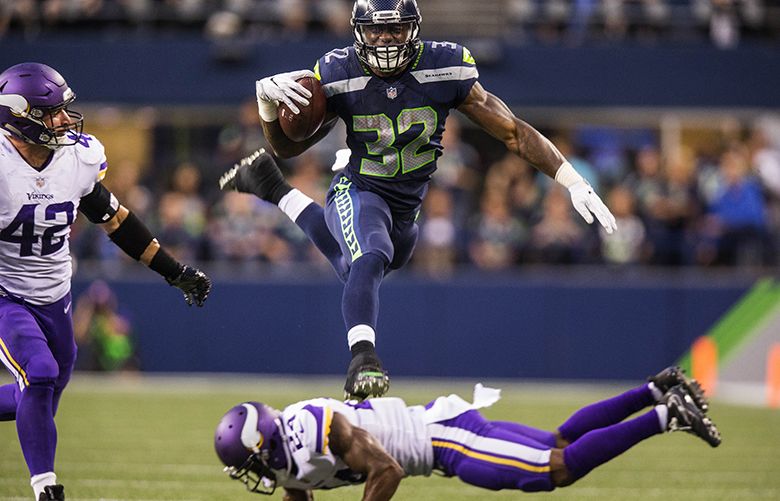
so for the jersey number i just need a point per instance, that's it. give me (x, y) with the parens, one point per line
(25, 221)
(409, 158)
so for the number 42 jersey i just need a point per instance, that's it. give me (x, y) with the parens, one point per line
(37, 209)
(394, 124)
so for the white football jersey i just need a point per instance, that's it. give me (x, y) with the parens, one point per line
(400, 429)
(37, 209)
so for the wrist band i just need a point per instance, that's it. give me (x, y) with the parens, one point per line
(268, 110)
(567, 176)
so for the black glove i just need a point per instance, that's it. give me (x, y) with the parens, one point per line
(194, 283)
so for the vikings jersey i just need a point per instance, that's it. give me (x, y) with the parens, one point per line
(395, 124)
(37, 209)
(306, 425)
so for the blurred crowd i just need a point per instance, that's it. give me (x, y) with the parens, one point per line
(724, 22)
(711, 201)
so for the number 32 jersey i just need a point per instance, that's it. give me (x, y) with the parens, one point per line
(37, 209)
(395, 124)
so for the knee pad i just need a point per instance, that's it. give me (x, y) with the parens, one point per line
(42, 370)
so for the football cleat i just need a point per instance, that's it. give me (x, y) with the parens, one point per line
(257, 174)
(52, 493)
(673, 376)
(685, 415)
(365, 378)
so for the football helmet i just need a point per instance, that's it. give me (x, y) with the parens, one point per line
(386, 58)
(249, 442)
(29, 94)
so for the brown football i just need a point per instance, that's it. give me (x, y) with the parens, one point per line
(303, 125)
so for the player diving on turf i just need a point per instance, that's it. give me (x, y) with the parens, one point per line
(324, 443)
(394, 93)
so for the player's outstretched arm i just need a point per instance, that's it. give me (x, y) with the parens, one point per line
(283, 88)
(132, 236)
(493, 115)
(364, 454)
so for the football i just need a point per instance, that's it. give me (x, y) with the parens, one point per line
(303, 125)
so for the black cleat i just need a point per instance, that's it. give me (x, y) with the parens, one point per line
(673, 376)
(52, 493)
(685, 415)
(365, 378)
(257, 174)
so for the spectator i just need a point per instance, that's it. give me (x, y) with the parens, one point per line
(557, 238)
(103, 335)
(436, 249)
(737, 219)
(627, 245)
(497, 238)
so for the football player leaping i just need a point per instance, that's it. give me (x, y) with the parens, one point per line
(49, 169)
(394, 93)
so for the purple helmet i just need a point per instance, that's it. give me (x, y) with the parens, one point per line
(249, 443)
(31, 93)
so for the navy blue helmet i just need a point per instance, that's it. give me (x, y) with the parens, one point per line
(386, 58)
(29, 94)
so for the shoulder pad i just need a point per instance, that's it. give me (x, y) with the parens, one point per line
(335, 65)
(90, 152)
(447, 54)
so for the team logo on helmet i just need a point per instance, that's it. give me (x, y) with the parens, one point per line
(31, 95)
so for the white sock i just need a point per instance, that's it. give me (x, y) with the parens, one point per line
(41, 480)
(293, 203)
(663, 416)
(361, 332)
(657, 394)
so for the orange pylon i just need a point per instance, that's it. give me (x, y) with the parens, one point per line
(704, 363)
(773, 377)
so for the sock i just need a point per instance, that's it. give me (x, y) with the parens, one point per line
(599, 446)
(360, 302)
(9, 395)
(38, 482)
(36, 429)
(606, 412)
(361, 336)
(657, 394)
(310, 217)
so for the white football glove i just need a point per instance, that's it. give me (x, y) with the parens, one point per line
(281, 88)
(342, 160)
(584, 199)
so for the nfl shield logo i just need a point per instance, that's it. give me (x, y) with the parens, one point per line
(40, 181)
(392, 93)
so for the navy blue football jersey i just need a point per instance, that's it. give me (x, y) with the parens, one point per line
(395, 124)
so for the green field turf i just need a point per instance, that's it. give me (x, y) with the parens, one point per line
(152, 439)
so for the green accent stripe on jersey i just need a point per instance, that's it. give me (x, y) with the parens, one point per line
(317, 71)
(742, 320)
(346, 213)
(419, 55)
(467, 57)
